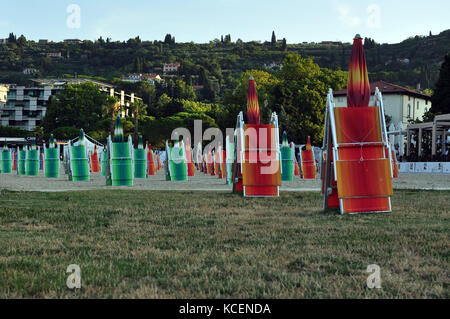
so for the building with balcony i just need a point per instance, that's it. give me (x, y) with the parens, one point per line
(25, 107)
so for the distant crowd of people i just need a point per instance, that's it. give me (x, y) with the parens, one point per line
(426, 158)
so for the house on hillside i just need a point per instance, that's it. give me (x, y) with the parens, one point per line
(401, 104)
(273, 66)
(138, 77)
(171, 67)
(56, 55)
(73, 41)
(30, 71)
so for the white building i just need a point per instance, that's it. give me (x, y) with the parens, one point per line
(273, 66)
(30, 71)
(149, 77)
(400, 103)
(3, 92)
(25, 107)
(57, 55)
(171, 67)
(73, 41)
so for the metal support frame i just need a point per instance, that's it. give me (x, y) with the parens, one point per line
(330, 144)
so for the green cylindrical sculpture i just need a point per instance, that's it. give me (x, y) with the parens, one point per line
(121, 158)
(22, 162)
(51, 162)
(79, 162)
(104, 161)
(140, 160)
(32, 161)
(121, 165)
(6, 162)
(287, 160)
(51, 165)
(229, 161)
(177, 166)
(80, 165)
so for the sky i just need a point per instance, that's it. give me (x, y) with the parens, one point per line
(201, 21)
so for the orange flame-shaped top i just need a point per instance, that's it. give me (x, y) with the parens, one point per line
(252, 103)
(358, 90)
(308, 144)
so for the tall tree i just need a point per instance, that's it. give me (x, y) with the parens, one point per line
(441, 97)
(137, 108)
(12, 38)
(284, 46)
(111, 107)
(168, 39)
(274, 39)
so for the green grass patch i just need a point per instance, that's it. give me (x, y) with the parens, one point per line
(144, 244)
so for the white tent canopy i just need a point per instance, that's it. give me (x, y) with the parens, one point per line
(90, 144)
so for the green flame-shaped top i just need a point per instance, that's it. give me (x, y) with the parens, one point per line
(141, 143)
(52, 141)
(176, 138)
(118, 131)
(5, 147)
(81, 139)
(285, 139)
(33, 144)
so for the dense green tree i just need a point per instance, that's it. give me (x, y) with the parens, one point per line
(274, 39)
(12, 38)
(297, 93)
(441, 97)
(22, 41)
(6, 131)
(302, 92)
(78, 105)
(66, 133)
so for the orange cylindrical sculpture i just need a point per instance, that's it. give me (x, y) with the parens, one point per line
(95, 164)
(308, 162)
